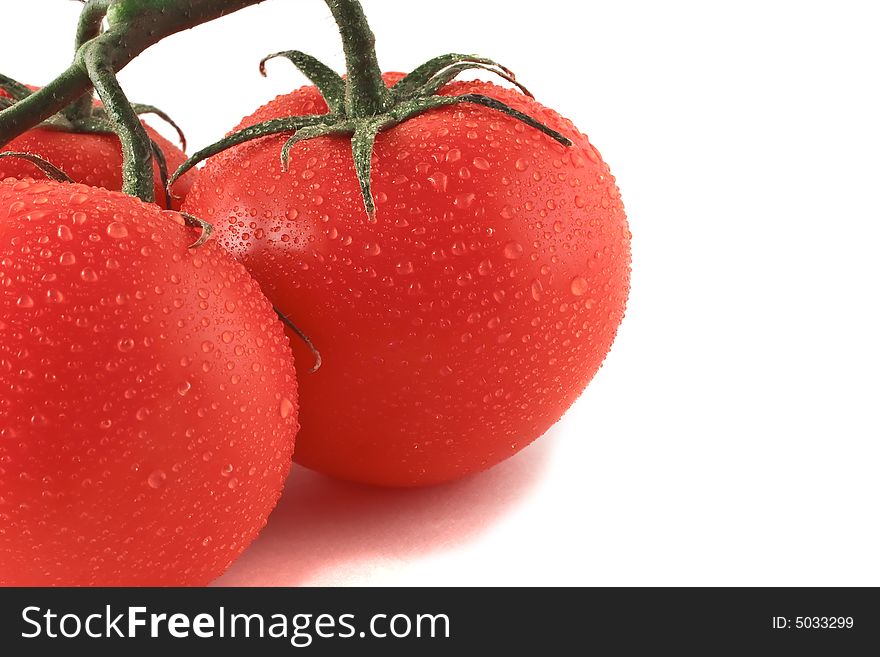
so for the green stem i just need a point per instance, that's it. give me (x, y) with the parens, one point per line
(44, 103)
(137, 149)
(135, 26)
(90, 26)
(366, 94)
(90, 21)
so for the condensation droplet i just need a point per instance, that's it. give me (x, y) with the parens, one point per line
(157, 479)
(513, 250)
(286, 408)
(481, 164)
(537, 290)
(117, 230)
(579, 286)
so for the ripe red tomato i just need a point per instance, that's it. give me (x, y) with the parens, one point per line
(147, 395)
(461, 325)
(90, 159)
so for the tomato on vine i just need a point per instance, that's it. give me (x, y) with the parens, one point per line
(458, 252)
(148, 400)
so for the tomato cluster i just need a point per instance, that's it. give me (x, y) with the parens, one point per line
(457, 253)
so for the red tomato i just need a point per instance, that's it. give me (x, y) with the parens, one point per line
(461, 325)
(148, 399)
(91, 159)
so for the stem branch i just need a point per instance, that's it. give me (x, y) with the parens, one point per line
(137, 149)
(90, 26)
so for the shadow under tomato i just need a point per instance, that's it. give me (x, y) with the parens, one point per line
(327, 532)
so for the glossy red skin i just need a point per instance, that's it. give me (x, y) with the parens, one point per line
(148, 400)
(460, 326)
(91, 159)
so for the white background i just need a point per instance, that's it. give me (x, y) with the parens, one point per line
(732, 437)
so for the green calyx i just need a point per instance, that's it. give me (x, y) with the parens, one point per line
(361, 106)
(53, 172)
(98, 120)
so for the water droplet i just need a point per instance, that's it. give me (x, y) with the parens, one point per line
(67, 258)
(537, 290)
(521, 164)
(513, 250)
(459, 249)
(64, 233)
(485, 268)
(117, 230)
(227, 337)
(481, 164)
(184, 388)
(287, 408)
(464, 201)
(88, 275)
(25, 302)
(372, 249)
(157, 479)
(404, 267)
(124, 345)
(579, 286)
(439, 181)
(54, 296)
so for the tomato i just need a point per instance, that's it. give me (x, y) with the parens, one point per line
(91, 159)
(463, 323)
(148, 398)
